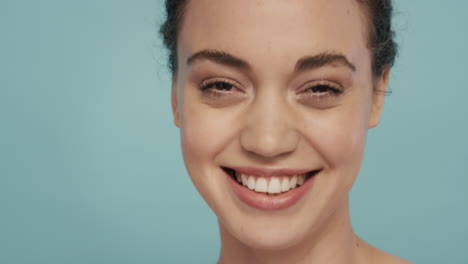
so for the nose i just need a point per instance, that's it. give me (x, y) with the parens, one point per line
(270, 128)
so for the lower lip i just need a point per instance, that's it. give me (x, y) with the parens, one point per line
(263, 201)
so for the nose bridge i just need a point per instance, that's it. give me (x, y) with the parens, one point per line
(270, 130)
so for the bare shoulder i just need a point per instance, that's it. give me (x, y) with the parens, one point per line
(382, 257)
(377, 256)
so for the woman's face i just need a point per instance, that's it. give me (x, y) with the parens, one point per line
(270, 90)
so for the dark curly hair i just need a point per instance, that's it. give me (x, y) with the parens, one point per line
(379, 17)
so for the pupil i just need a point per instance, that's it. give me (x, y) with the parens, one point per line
(225, 86)
(319, 88)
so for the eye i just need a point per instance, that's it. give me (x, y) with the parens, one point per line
(323, 89)
(320, 94)
(221, 91)
(222, 86)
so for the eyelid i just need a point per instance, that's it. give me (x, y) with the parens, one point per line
(205, 83)
(334, 85)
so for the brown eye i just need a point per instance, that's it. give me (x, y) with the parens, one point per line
(223, 86)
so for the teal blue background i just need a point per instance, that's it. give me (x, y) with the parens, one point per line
(90, 162)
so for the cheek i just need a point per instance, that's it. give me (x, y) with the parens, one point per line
(340, 135)
(200, 141)
(205, 132)
(202, 134)
(348, 138)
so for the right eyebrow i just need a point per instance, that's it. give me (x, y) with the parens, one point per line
(219, 57)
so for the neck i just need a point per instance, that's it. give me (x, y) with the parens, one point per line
(333, 243)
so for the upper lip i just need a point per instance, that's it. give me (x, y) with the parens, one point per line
(269, 172)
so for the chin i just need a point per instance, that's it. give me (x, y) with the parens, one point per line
(268, 231)
(260, 238)
(272, 240)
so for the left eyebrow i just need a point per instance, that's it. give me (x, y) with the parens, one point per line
(323, 59)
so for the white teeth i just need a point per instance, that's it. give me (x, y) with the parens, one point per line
(293, 182)
(251, 183)
(274, 186)
(285, 184)
(300, 179)
(244, 179)
(261, 185)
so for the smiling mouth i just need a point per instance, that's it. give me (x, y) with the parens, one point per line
(270, 185)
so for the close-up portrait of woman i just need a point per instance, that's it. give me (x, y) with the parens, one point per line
(274, 100)
(233, 132)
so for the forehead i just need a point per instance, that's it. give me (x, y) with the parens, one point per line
(274, 31)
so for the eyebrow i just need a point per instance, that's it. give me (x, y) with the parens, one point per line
(305, 63)
(219, 57)
(323, 59)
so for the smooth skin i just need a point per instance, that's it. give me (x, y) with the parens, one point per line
(246, 102)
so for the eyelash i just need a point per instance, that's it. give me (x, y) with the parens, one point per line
(329, 89)
(211, 86)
